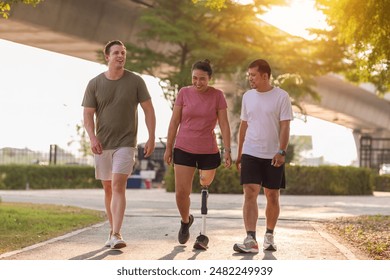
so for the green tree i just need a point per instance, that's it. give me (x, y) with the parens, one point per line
(230, 37)
(359, 39)
(5, 6)
(212, 4)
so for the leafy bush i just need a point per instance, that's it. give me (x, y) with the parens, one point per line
(382, 183)
(328, 180)
(301, 180)
(47, 177)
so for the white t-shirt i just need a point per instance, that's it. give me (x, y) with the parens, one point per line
(263, 111)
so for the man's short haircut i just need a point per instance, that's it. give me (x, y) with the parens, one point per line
(203, 65)
(262, 66)
(109, 44)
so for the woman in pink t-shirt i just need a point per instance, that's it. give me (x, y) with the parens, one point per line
(191, 142)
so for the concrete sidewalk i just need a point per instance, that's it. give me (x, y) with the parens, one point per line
(152, 222)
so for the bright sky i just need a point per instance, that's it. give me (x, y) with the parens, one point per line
(41, 94)
(296, 18)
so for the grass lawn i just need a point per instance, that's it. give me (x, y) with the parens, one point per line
(369, 234)
(23, 224)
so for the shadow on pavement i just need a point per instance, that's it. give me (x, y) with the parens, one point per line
(94, 255)
(176, 250)
(269, 256)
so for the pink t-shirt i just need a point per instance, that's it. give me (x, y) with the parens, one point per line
(198, 119)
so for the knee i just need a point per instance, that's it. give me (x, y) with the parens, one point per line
(250, 193)
(272, 197)
(182, 192)
(108, 192)
(118, 188)
(107, 187)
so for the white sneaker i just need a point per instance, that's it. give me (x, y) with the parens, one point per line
(269, 244)
(249, 246)
(117, 242)
(108, 242)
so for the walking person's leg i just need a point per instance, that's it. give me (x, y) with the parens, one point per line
(118, 201)
(123, 160)
(103, 172)
(206, 177)
(107, 203)
(272, 211)
(250, 212)
(250, 207)
(184, 176)
(251, 177)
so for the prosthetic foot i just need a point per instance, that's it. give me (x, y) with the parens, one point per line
(202, 240)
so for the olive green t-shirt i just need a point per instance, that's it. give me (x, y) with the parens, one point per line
(116, 103)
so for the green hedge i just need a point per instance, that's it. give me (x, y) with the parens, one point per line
(16, 177)
(382, 183)
(328, 180)
(301, 180)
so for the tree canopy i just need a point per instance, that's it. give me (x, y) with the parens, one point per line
(359, 36)
(176, 34)
(5, 6)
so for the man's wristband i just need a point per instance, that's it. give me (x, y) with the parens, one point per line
(282, 152)
(229, 150)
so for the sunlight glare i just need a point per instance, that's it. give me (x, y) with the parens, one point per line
(296, 18)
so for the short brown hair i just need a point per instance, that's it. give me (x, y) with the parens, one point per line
(262, 66)
(109, 44)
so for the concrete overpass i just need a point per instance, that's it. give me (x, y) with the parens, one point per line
(81, 27)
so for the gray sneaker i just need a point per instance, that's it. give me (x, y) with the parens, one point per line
(269, 244)
(117, 242)
(184, 232)
(249, 246)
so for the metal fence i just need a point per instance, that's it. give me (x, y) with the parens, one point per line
(55, 155)
(374, 152)
(59, 156)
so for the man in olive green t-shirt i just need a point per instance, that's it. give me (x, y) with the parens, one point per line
(113, 97)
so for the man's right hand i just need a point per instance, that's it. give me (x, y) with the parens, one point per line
(96, 146)
(238, 162)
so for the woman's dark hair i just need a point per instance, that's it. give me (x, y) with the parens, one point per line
(203, 65)
(109, 44)
(262, 66)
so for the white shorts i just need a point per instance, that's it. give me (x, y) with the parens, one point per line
(119, 161)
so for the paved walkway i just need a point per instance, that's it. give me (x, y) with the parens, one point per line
(152, 221)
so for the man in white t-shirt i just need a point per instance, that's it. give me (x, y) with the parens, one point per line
(264, 133)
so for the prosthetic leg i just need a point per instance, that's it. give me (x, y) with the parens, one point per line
(202, 240)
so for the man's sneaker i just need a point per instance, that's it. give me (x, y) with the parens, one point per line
(269, 244)
(184, 233)
(249, 246)
(108, 242)
(117, 242)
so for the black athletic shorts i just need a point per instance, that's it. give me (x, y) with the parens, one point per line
(259, 171)
(200, 161)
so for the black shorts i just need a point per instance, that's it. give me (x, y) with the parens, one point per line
(200, 161)
(259, 171)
